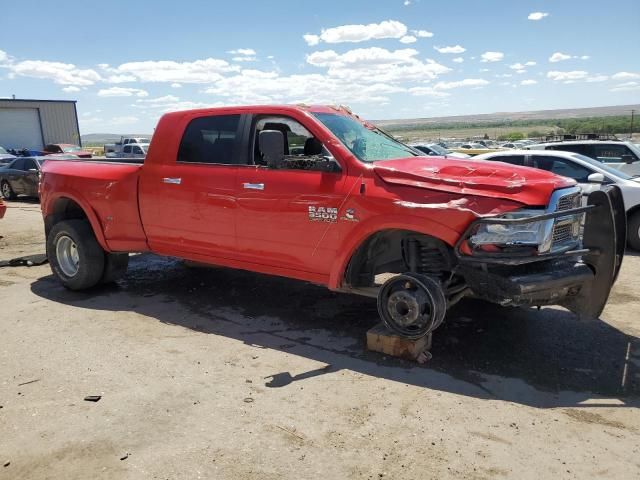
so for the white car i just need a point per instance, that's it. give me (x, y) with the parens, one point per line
(623, 156)
(590, 175)
(435, 150)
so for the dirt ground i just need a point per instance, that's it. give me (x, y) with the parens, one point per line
(214, 373)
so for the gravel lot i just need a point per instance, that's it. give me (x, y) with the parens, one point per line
(214, 373)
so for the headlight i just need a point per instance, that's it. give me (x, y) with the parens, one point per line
(506, 235)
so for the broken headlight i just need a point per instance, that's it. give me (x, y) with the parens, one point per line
(494, 237)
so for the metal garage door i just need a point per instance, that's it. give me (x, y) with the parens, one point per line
(20, 128)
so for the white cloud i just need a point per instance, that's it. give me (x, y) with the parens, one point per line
(598, 78)
(467, 82)
(122, 92)
(422, 33)
(504, 75)
(165, 99)
(3, 56)
(567, 76)
(311, 40)
(71, 88)
(176, 85)
(522, 66)
(559, 57)
(358, 33)
(249, 52)
(626, 87)
(361, 56)
(452, 49)
(60, 73)
(528, 82)
(408, 39)
(120, 78)
(484, 70)
(537, 15)
(244, 59)
(428, 92)
(406, 3)
(585, 57)
(625, 76)
(198, 71)
(458, 60)
(491, 57)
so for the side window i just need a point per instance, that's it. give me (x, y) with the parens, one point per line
(30, 164)
(561, 166)
(581, 149)
(612, 153)
(126, 141)
(18, 164)
(137, 150)
(298, 141)
(210, 140)
(127, 149)
(512, 159)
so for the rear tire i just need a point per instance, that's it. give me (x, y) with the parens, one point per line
(115, 267)
(74, 254)
(7, 191)
(633, 231)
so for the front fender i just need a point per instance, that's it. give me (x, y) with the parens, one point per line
(367, 228)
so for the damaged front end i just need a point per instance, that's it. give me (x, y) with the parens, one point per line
(567, 255)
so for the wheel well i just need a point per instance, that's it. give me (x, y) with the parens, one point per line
(64, 209)
(632, 211)
(398, 251)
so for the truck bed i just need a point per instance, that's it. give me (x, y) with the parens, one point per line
(110, 194)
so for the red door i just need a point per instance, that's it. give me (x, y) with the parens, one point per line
(188, 203)
(288, 218)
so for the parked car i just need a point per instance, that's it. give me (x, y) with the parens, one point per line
(66, 148)
(221, 187)
(5, 157)
(436, 150)
(20, 177)
(112, 150)
(590, 174)
(624, 156)
(512, 145)
(133, 150)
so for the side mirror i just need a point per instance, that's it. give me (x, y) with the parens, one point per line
(596, 178)
(628, 158)
(271, 143)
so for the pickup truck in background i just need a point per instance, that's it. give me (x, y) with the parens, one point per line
(113, 150)
(317, 194)
(133, 150)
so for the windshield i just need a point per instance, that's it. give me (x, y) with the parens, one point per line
(603, 166)
(70, 148)
(2, 150)
(367, 145)
(438, 149)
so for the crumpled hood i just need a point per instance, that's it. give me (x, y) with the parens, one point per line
(484, 178)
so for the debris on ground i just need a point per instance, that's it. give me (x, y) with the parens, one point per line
(125, 456)
(92, 398)
(30, 381)
(27, 261)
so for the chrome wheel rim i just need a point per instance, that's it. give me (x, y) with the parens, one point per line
(5, 190)
(67, 255)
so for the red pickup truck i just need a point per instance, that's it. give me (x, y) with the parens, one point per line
(317, 194)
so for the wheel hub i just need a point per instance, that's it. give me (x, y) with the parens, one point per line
(67, 255)
(405, 307)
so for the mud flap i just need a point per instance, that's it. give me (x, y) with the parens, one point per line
(605, 235)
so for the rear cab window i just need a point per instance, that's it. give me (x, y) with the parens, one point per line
(612, 153)
(561, 166)
(212, 140)
(511, 159)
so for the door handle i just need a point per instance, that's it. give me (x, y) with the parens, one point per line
(173, 181)
(253, 186)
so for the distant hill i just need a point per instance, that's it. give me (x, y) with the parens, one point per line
(102, 138)
(512, 116)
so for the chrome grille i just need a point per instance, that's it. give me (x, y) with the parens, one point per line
(569, 201)
(563, 233)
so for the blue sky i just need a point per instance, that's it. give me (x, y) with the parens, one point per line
(128, 62)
